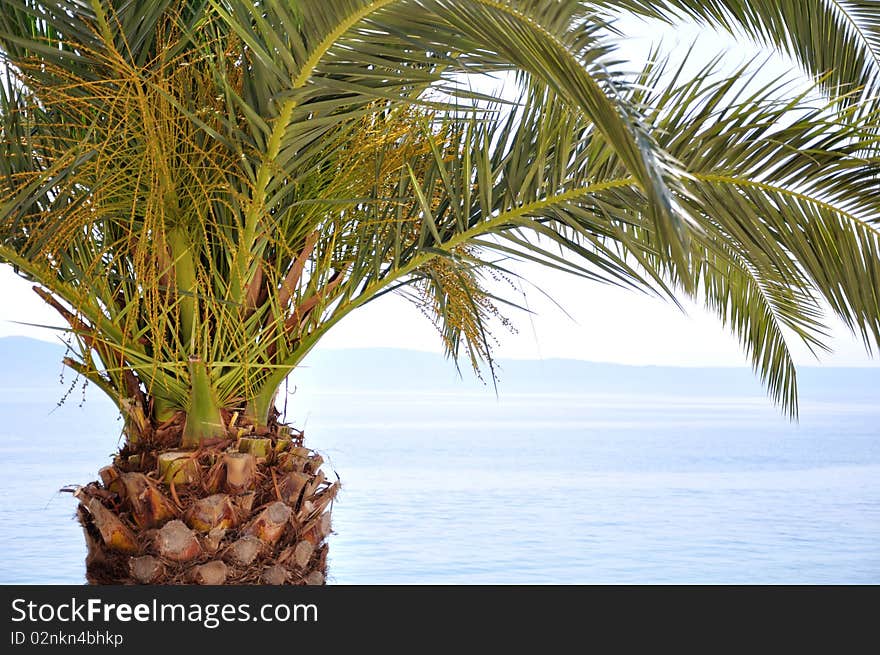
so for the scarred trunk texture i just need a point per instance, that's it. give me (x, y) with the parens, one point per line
(246, 510)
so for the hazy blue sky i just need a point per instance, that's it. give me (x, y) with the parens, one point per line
(606, 324)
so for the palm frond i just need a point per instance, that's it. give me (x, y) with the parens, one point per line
(203, 189)
(837, 42)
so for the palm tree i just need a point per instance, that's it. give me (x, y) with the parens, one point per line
(203, 188)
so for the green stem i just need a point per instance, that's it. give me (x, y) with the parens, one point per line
(203, 420)
(163, 410)
(185, 276)
(103, 25)
(245, 254)
(258, 407)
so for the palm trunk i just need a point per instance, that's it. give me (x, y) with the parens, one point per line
(254, 509)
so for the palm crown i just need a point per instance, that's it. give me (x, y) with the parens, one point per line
(204, 188)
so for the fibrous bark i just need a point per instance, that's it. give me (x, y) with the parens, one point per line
(242, 511)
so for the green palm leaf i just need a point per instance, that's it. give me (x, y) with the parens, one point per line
(837, 41)
(203, 189)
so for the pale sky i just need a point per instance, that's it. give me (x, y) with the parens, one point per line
(606, 324)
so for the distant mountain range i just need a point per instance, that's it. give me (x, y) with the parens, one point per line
(28, 362)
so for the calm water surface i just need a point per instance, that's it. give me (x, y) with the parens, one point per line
(528, 488)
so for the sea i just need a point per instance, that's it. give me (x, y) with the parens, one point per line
(478, 486)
